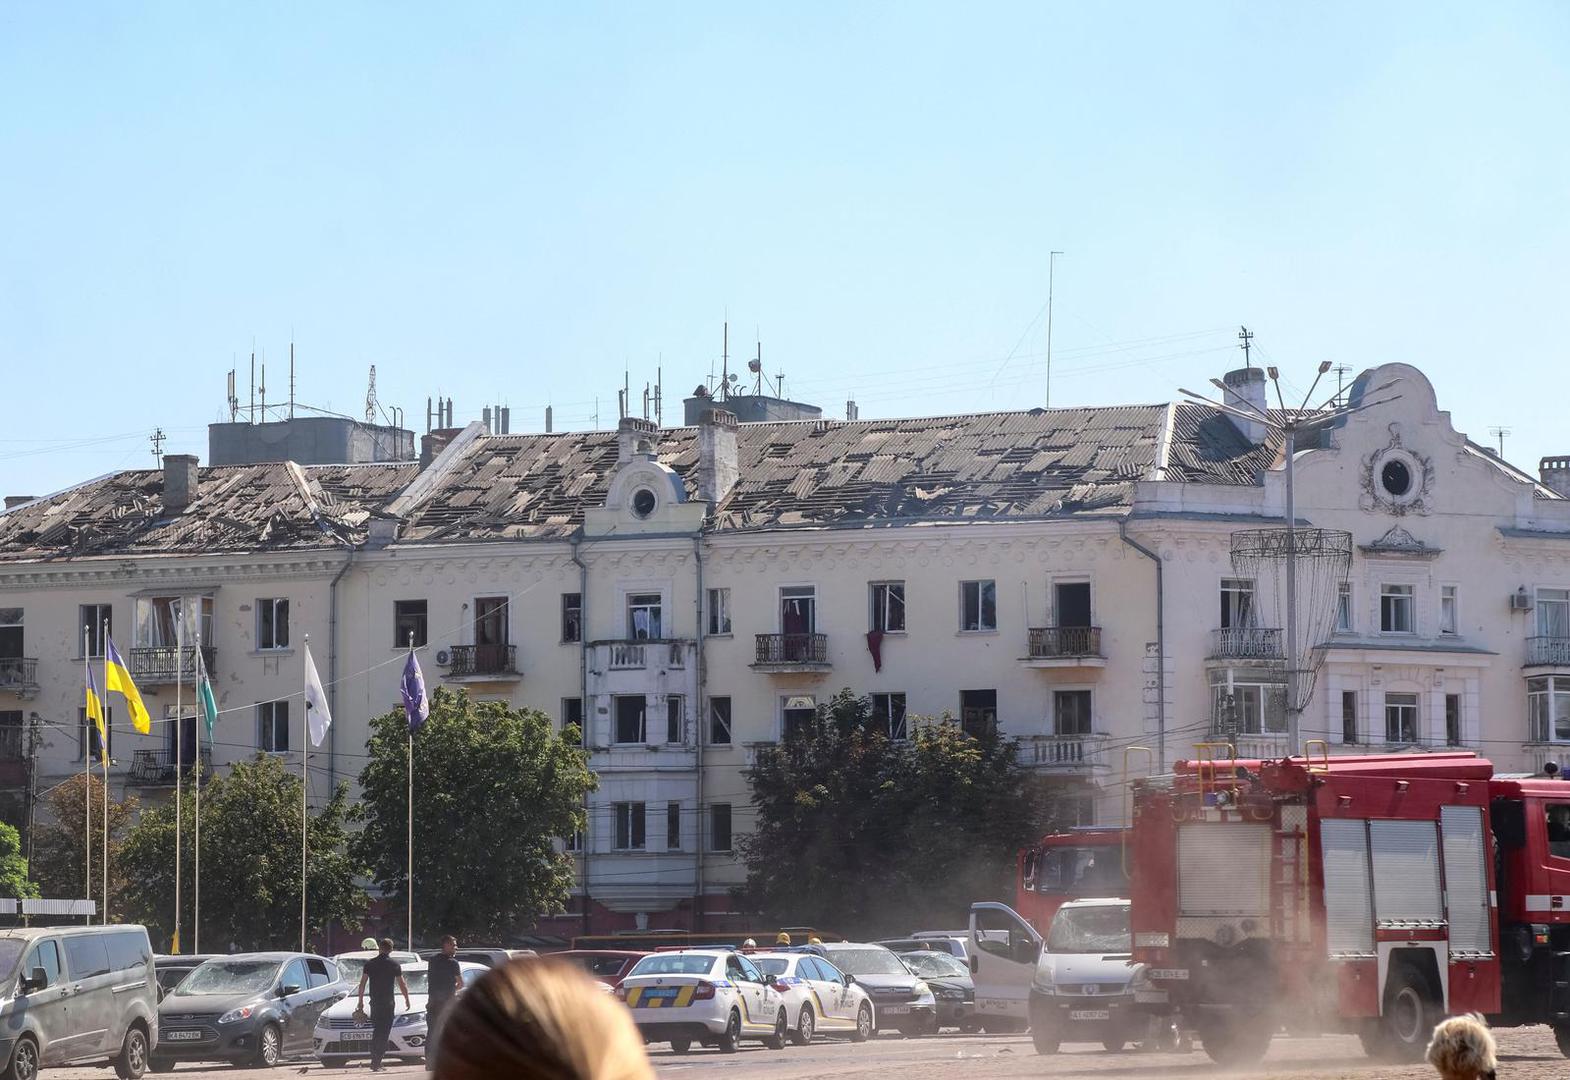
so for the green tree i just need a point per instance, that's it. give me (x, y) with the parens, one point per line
(250, 862)
(14, 882)
(866, 835)
(58, 863)
(494, 790)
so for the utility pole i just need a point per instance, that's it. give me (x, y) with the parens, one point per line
(157, 439)
(1500, 433)
(1052, 267)
(1246, 336)
(1342, 371)
(32, 781)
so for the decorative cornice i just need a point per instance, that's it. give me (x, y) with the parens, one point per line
(163, 569)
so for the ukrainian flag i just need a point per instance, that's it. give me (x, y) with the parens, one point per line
(118, 677)
(95, 712)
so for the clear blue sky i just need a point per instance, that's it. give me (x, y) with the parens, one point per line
(510, 201)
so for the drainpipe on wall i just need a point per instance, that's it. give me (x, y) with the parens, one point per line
(332, 669)
(1161, 645)
(700, 713)
(583, 692)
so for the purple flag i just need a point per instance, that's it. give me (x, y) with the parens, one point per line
(416, 707)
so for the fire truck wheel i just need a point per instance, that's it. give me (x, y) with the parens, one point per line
(1235, 1040)
(1562, 1037)
(1410, 1015)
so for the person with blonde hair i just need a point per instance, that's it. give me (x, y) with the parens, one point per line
(539, 1019)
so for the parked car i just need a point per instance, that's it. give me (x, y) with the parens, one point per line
(350, 964)
(608, 966)
(819, 999)
(952, 989)
(900, 1000)
(171, 969)
(951, 945)
(482, 955)
(74, 996)
(249, 1008)
(341, 1036)
(714, 997)
(1082, 988)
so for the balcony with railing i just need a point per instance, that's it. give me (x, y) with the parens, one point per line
(482, 663)
(19, 675)
(156, 768)
(155, 665)
(791, 653)
(643, 655)
(1064, 647)
(1547, 652)
(1246, 643)
(1073, 754)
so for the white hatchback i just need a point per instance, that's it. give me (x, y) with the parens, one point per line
(819, 999)
(713, 997)
(341, 1035)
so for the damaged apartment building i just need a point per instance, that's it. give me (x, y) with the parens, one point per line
(689, 595)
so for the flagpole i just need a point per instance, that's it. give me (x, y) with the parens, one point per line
(103, 756)
(179, 760)
(87, 758)
(305, 781)
(409, 884)
(196, 887)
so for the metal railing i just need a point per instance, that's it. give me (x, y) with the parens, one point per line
(1548, 652)
(1064, 642)
(152, 664)
(1086, 751)
(637, 655)
(792, 649)
(156, 768)
(18, 673)
(1246, 643)
(483, 660)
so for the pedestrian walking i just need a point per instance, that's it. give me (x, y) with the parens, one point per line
(539, 1019)
(380, 975)
(444, 978)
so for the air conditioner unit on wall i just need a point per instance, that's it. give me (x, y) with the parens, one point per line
(443, 657)
(1521, 600)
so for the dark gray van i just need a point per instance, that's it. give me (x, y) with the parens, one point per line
(77, 995)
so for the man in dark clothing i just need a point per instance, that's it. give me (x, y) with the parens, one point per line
(445, 979)
(380, 973)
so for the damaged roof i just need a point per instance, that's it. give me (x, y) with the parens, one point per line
(978, 467)
(278, 506)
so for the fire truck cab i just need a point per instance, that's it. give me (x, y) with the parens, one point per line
(1370, 894)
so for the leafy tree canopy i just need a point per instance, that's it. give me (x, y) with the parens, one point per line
(14, 882)
(59, 863)
(869, 836)
(494, 790)
(250, 888)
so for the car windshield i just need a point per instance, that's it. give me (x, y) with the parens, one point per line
(868, 962)
(674, 964)
(600, 965)
(1090, 930)
(771, 966)
(10, 953)
(934, 965)
(229, 977)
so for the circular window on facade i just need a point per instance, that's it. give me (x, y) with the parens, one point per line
(1396, 477)
(643, 502)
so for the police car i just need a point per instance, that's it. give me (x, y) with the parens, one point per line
(819, 999)
(713, 997)
(343, 1031)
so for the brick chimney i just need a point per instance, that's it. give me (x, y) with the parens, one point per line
(180, 480)
(433, 442)
(1554, 472)
(13, 501)
(718, 467)
(1247, 385)
(635, 436)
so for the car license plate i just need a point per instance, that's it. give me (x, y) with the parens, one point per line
(354, 1036)
(1173, 974)
(182, 1036)
(895, 1009)
(1090, 1014)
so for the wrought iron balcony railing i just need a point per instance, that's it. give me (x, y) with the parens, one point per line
(1548, 652)
(783, 649)
(1064, 642)
(18, 673)
(152, 665)
(469, 660)
(1246, 643)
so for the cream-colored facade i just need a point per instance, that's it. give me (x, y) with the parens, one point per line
(685, 642)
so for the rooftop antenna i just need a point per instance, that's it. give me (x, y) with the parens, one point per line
(157, 439)
(291, 376)
(1314, 543)
(251, 411)
(725, 361)
(1342, 371)
(264, 386)
(234, 402)
(659, 381)
(1246, 336)
(1500, 433)
(1052, 267)
(370, 395)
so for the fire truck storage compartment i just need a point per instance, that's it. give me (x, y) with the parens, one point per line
(1466, 881)
(1406, 873)
(1349, 907)
(1223, 869)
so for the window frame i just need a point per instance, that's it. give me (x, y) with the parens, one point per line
(1255, 713)
(1054, 597)
(673, 826)
(97, 633)
(499, 610)
(1389, 592)
(421, 622)
(727, 720)
(1455, 720)
(786, 709)
(675, 720)
(268, 721)
(1550, 691)
(1541, 600)
(571, 627)
(1411, 701)
(1349, 697)
(616, 719)
(652, 603)
(983, 586)
(716, 611)
(1089, 697)
(1346, 622)
(895, 722)
(1244, 614)
(965, 710)
(634, 816)
(567, 707)
(717, 813)
(884, 598)
(1449, 620)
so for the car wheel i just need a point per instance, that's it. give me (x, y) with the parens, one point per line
(806, 1026)
(732, 1037)
(911, 1030)
(863, 1023)
(680, 1046)
(1044, 1037)
(781, 1030)
(132, 1062)
(24, 1060)
(1562, 1037)
(160, 1065)
(269, 1047)
(1112, 1046)
(335, 1061)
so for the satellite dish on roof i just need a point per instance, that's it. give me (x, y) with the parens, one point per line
(754, 366)
(732, 377)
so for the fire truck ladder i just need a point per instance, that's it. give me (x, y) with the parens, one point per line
(1289, 874)
(1207, 771)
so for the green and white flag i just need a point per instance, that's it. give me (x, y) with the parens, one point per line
(204, 697)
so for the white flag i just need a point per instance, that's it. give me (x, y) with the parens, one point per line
(318, 717)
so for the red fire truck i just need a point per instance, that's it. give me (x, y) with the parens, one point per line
(1074, 865)
(1370, 894)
